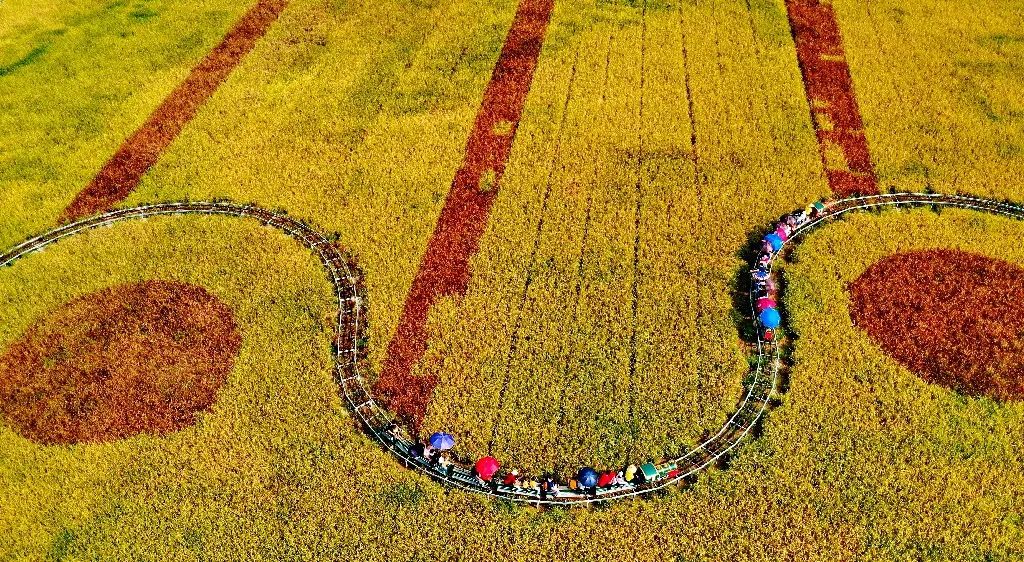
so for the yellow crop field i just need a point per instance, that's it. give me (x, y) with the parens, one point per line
(78, 77)
(940, 89)
(572, 194)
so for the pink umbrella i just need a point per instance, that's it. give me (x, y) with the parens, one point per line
(781, 232)
(765, 302)
(486, 467)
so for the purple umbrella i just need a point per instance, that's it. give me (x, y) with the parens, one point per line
(442, 441)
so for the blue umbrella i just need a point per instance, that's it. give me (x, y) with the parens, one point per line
(775, 240)
(587, 477)
(770, 318)
(442, 441)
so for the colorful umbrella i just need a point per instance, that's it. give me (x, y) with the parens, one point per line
(486, 467)
(775, 241)
(442, 441)
(770, 318)
(587, 477)
(765, 302)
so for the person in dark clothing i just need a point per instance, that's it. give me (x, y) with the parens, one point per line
(551, 486)
(432, 456)
(417, 450)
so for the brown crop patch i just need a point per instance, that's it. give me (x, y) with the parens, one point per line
(138, 358)
(444, 268)
(123, 172)
(951, 317)
(829, 87)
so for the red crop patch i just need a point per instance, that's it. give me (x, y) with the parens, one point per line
(951, 317)
(444, 269)
(140, 358)
(123, 172)
(829, 87)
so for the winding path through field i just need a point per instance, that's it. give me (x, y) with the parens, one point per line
(379, 423)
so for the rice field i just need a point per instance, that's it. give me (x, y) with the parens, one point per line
(550, 204)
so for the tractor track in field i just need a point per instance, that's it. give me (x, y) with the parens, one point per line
(124, 170)
(698, 190)
(573, 353)
(444, 267)
(828, 84)
(577, 297)
(634, 289)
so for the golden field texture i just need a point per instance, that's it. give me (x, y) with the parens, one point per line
(599, 324)
(939, 87)
(76, 79)
(863, 459)
(384, 150)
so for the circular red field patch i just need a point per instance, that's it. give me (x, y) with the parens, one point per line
(139, 358)
(951, 317)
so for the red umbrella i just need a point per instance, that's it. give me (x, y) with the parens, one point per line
(765, 302)
(486, 467)
(605, 478)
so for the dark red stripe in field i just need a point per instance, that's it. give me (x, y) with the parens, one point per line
(123, 172)
(837, 120)
(444, 269)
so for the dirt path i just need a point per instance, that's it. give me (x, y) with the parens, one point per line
(123, 172)
(444, 268)
(836, 115)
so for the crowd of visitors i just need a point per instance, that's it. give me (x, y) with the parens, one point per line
(588, 481)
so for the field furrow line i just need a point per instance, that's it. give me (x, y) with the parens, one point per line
(637, 217)
(531, 264)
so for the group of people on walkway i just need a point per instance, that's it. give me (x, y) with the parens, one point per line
(763, 287)
(587, 481)
(432, 453)
(487, 470)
